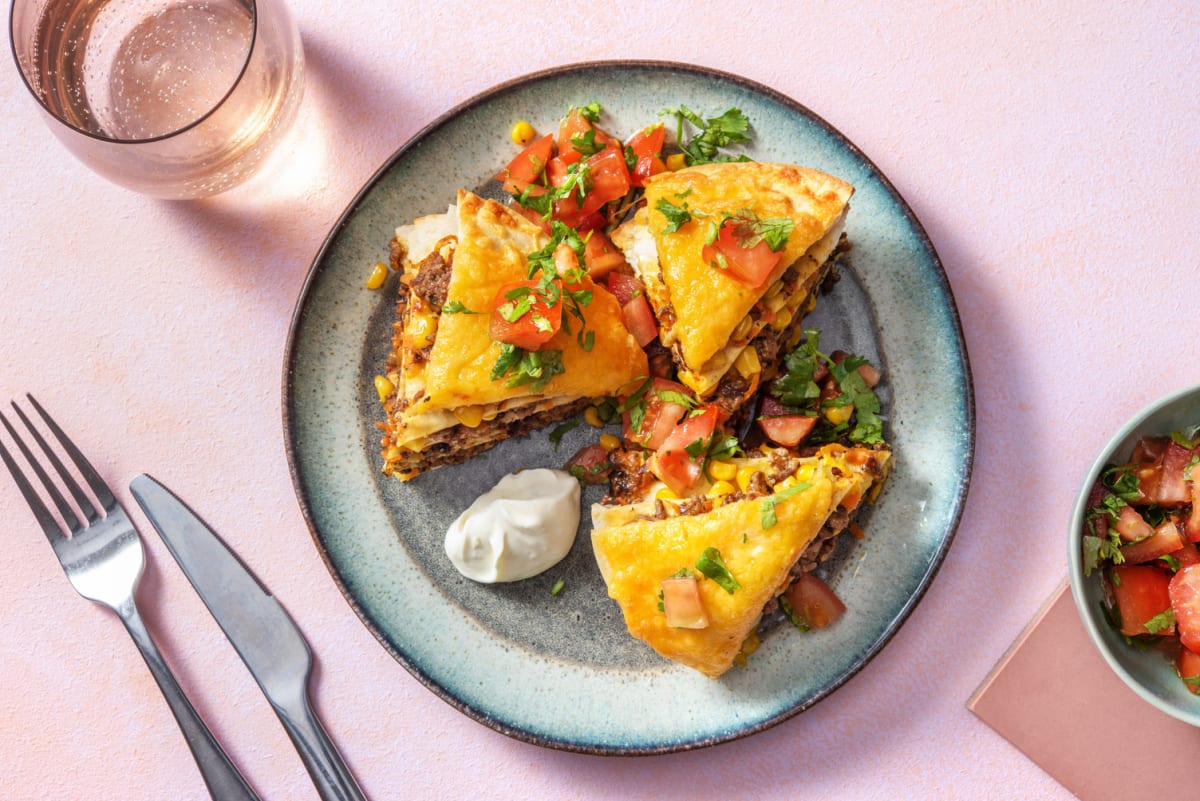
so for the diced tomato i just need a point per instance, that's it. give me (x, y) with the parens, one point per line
(610, 179)
(750, 265)
(672, 463)
(1141, 593)
(590, 465)
(1164, 540)
(1173, 489)
(870, 374)
(635, 308)
(1095, 498)
(1131, 525)
(699, 425)
(644, 168)
(639, 319)
(647, 145)
(1192, 527)
(532, 215)
(556, 171)
(788, 430)
(530, 330)
(624, 286)
(1188, 667)
(1184, 594)
(660, 414)
(649, 140)
(676, 469)
(814, 603)
(601, 256)
(575, 124)
(1149, 449)
(1188, 554)
(682, 603)
(529, 164)
(1148, 477)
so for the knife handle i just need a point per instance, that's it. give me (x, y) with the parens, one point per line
(223, 780)
(329, 773)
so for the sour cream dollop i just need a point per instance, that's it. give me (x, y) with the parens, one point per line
(523, 526)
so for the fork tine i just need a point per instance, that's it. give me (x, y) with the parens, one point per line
(85, 503)
(89, 473)
(45, 519)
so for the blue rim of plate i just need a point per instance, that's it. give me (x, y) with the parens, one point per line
(903, 299)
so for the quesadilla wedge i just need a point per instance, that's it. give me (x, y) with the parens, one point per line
(693, 577)
(731, 255)
(457, 391)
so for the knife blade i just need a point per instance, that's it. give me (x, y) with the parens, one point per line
(261, 631)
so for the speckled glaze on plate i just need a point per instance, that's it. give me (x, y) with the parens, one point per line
(560, 670)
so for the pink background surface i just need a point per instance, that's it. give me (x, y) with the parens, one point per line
(1051, 155)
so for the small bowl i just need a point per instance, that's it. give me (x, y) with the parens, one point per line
(1149, 673)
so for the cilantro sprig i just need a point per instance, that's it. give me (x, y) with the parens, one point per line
(749, 229)
(532, 368)
(797, 389)
(713, 566)
(713, 134)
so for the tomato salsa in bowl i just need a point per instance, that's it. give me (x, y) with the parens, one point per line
(1134, 554)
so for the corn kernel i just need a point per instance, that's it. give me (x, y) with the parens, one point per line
(722, 470)
(384, 387)
(839, 414)
(723, 488)
(782, 320)
(591, 416)
(744, 476)
(609, 442)
(469, 416)
(522, 133)
(676, 161)
(747, 363)
(377, 276)
(666, 494)
(421, 329)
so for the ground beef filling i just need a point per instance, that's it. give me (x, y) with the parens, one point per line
(432, 281)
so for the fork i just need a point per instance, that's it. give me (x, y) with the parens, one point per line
(103, 559)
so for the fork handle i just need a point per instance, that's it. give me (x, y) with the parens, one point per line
(222, 778)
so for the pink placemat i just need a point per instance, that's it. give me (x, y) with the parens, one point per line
(1053, 697)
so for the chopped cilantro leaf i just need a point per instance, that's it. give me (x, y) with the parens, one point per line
(560, 430)
(767, 505)
(456, 307)
(869, 427)
(677, 216)
(1187, 469)
(586, 143)
(712, 566)
(523, 367)
(1161, 622)
(590, 112)
(1171, 561)
(1123, 482)
(791, 615)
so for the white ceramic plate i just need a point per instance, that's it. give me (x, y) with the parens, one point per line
(560, 670)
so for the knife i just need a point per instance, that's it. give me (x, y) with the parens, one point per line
(263, 634)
